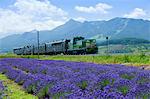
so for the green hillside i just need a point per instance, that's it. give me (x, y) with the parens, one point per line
(125, 49)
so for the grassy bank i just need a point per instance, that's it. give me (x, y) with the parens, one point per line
(14, 91)
(136, 60)
(9, 56)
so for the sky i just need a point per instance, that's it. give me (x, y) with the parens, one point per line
(18, 16)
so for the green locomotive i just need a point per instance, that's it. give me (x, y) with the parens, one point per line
(79, 45)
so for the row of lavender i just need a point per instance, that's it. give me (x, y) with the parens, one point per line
(1, 90)
(54, 79)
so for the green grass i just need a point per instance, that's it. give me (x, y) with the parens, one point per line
(14, 91)
(9, 56)
(131, 59)
(136, 60)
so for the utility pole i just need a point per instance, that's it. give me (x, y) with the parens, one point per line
(38, 42)
(107, 45)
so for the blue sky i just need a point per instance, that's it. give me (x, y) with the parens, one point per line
(120, 7)
(18, 16)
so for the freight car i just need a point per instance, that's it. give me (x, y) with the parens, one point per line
(78, 45)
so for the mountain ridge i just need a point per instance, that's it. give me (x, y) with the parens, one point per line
(114, 28)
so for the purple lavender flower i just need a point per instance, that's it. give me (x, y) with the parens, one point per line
(72, 80)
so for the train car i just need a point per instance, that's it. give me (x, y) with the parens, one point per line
(18, 51)
(42, 48)
(35, 50)
(28, 50)
(49, 48)
(59, 47)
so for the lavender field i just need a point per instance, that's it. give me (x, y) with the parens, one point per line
(71, 80)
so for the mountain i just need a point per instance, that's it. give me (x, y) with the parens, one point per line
(115, 28)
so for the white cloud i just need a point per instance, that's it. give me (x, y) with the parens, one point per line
(98, 8)
(136, 13)
(81, 19)
(27, 15)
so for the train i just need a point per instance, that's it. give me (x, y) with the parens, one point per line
(75, 46)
